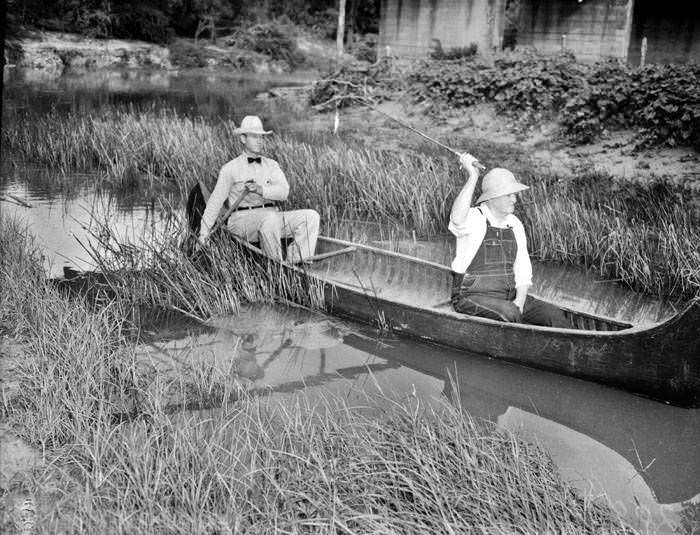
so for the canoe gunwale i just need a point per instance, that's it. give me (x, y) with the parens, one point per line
(625, 326)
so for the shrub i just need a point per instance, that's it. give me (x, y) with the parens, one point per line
(521, 83)
(366, 48)
(136, 21)
(184, 53)
(273, 40)
(662, 101)
(439, 53)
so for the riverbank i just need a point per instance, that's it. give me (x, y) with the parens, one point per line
(482, 131)
(54, 53)
(46, 54)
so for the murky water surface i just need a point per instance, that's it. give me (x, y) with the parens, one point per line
(641, 454)
(644, 455)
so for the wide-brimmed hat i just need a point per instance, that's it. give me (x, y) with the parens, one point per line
(498, 182)
(251, 124)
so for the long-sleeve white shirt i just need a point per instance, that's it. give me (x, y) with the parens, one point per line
(231, 184)
(470, 233)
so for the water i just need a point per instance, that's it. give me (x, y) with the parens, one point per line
(69, 217)
(643, 455)
(209, 94)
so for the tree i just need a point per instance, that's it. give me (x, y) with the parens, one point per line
(209, 13)
(341, 33)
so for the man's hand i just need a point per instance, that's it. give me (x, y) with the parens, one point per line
(253, 187)
(470, 164)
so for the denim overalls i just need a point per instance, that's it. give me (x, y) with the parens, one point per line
(488, 287)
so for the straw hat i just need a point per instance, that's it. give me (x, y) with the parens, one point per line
(498, 182)
(251, 124)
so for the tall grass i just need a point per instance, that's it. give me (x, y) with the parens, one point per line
(262, 466)
(21, 273)
(656, 251)
(168, 273)
(128, 148)
(579, 221)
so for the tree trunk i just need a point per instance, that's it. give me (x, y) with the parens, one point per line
(352, 21)
(341, 34)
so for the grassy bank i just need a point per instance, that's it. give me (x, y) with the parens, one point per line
(122, 457)
(645, 235)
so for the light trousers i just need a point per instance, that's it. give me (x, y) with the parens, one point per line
(268, 226)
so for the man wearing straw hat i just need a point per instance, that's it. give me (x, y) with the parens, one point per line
(257, 217)
(492, 268)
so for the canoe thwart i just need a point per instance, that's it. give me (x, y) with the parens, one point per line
(330, 254)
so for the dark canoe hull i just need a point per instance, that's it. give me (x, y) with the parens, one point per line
(408, 296)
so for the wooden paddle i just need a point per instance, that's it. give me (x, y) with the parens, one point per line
(222, 219)
(196, 203)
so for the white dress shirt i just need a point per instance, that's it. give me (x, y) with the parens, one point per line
(231, 184)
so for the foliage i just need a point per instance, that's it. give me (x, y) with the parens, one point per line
(462, 52)
(272, 39)
(158, 20)
(520, 83)
(133, 19)
(143, 22)
(365, 48)
(185, 53)
(663, 101)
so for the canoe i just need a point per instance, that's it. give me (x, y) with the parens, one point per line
(410, 296)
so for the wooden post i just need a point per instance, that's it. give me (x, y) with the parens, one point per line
(341, 33)
(625, 52)
(643, 59)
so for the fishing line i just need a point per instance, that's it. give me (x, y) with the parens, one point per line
(364, 101)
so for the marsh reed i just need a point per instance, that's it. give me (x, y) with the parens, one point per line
(165, 271)
(262, 466)
(647, 245)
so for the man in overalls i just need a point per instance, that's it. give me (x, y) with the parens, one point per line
(492, 268)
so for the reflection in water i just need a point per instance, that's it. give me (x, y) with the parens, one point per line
(216, 96)
(642, 454)
(66, 214)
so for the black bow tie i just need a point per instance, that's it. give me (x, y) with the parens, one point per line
(254, 160)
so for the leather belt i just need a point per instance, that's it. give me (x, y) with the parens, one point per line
(266, 205)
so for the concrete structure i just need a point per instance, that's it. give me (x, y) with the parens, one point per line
(631, 30)
(595, 29)
(671, 28)
(409, 27)
(591, 29)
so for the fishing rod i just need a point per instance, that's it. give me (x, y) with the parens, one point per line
(364, 101)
